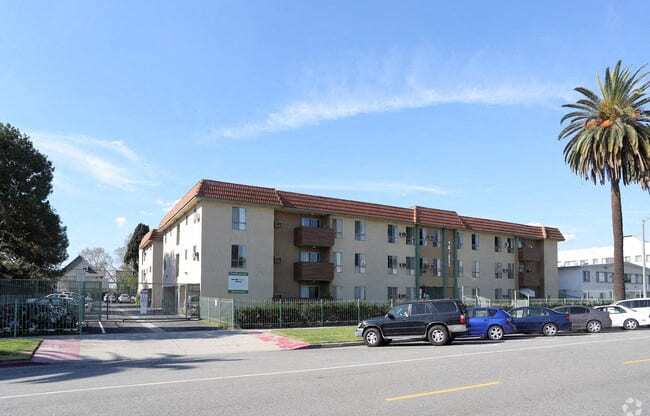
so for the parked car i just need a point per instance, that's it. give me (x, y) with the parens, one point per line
(490, 323)
(585, 318)
(532, 319)
(110, 297)
(626, 318)
(639, 305)
(124, 298)
(438, 321)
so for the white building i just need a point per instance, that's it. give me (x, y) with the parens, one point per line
(596, 281)
(632, 253)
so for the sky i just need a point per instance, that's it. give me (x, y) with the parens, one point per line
(451, 105)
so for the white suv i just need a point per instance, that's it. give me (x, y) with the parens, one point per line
(625, 318)
(640, 305)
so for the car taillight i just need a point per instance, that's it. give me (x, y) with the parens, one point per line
(462, 319)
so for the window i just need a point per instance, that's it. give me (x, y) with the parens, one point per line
(360, 231)
(392, 265)
(178, 264)
(511, 270)
(178, 234)
(647, 258)
(497, 244)
(310, 222)
(459, 268)
(309, 292)
(609, 260)
(238, 218)
(422, 236)
(410, 265)
(610, 277)
(475, 292)
(434, 237)
(359, 263)
(400, 311)
(421, 308)
(238, 256)
(185, 254)
(460, 240)
(337, 225)
(360, 292)
(475, 242)
(476, 270)
(586, 276)
(498, 293)
(446, 307)
(435, 267)
(509, 245)
(338, 261)
(392, 292)
(627, 259)
(410, 235)
(594, 261)
(627, 278)
(195, 254)
(391, 233)
(186, 218)
(309, 256)
(511, 293)
(498, 271)
(600, 278)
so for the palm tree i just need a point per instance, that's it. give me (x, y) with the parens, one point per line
(609, 142)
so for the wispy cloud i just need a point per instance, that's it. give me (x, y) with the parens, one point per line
(109, 162)
(378, 187)
(396, 82)
(120, 221)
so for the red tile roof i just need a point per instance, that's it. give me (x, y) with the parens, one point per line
(344, 206)
(311, 203)
(149, 237)
(519, 230)
(437, 218)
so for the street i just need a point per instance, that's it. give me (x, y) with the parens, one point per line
(565, 375)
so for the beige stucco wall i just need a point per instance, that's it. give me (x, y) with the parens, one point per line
(377, 249)
(218, 236)
(487, 258)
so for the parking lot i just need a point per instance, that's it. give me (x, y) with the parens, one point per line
(572, 374)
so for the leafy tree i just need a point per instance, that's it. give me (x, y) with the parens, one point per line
(100, 260)
(32, 240)
(609, 142)
(132, 253)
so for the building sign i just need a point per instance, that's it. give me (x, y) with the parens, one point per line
(238, 282)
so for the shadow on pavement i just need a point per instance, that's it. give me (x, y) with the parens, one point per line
(53, 373)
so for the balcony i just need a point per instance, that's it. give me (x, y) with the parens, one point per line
(322, 272)
(313, 237)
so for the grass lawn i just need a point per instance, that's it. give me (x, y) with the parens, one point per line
(322, 335)
(17, 348)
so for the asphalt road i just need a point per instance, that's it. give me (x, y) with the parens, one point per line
(565, 375)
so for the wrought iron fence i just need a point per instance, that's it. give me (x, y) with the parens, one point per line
(545, 302)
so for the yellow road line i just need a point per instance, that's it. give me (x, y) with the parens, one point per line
(445, 391)
(645, 360)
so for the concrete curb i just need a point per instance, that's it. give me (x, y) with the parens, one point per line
(330, 345)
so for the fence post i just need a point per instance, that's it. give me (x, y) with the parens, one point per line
(280, 313)
(15, 317)
(358, 311)
(322, 319)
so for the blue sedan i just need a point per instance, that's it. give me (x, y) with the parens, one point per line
(490, 323)
(540, 320)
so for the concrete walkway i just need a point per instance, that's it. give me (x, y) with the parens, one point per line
(159, 345)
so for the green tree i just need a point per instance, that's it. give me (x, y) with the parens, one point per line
(33, 242)
(609, 142)
(132, 249)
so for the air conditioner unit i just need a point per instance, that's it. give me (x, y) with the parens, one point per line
(277, 224)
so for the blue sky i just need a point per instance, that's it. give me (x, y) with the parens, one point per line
(453, 105)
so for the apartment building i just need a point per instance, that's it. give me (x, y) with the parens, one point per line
(632, 253)
(591, 281)
(150, 268)
(231, 240)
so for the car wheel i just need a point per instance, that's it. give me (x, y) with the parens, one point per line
(549, 329)
(372, 337)
(594, 327)
(437, 335)
(495, 333)
(630, 324)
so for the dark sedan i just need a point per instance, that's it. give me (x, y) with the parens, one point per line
(586, 319)
(540, 320)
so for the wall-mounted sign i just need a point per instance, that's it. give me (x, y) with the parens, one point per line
(238, 282)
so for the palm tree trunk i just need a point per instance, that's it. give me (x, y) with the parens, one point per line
(617, 228)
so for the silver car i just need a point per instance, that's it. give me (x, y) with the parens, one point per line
(584, 318)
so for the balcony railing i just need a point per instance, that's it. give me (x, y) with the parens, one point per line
(314, 237)
(323, 272)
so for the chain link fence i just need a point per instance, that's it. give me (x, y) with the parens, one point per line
(218, 312)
